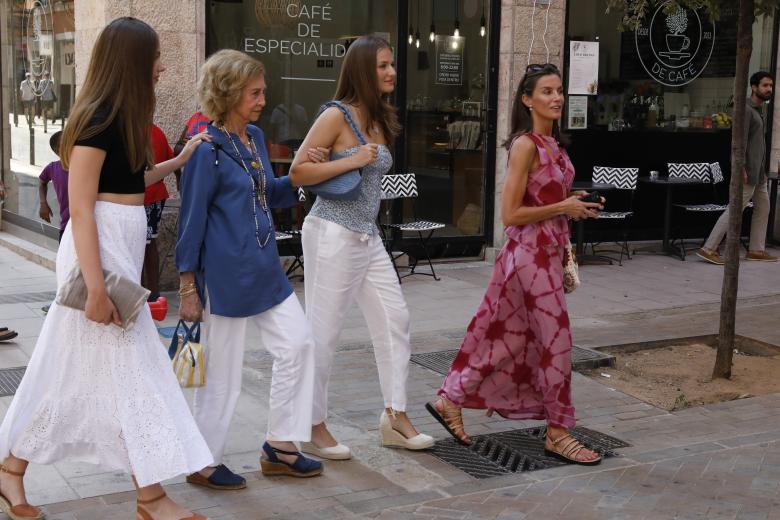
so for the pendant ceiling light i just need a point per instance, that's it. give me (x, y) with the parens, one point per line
(482, 22)
(432, 34)
(456, 32)
(417, 33)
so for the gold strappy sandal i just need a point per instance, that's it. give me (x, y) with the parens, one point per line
(19, 511)
(145, 515)
(450, 417)
(567, 448)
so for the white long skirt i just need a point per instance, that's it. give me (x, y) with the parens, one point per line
(95, 393)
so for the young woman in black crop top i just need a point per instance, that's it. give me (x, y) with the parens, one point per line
(92, 391)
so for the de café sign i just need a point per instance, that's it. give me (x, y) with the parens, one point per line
(674, 48)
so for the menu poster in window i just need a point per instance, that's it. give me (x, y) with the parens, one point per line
(583, 68)
(578, 113)
(449, 60)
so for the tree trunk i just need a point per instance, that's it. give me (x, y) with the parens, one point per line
(728, 300)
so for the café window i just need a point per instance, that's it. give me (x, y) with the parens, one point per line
(446, 113)
(39, 82)
(442, 93)
(302, 45)
(675, 73)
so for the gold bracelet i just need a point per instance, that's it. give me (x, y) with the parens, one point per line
(187, 292)
(190, 285)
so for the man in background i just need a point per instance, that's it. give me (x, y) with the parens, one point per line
(754, 176)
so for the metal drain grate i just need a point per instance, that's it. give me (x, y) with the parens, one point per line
(584, 358)
(581, 359)
(28, 297)
(515, 451)
(439, 362)
(10, 379)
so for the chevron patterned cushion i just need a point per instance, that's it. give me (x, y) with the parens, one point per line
(703, 207)
(282, 236)
(399, 186)
(621, 178)
(301, 194)
(615, 214)
(696, 171)
(717, 173)
(420, 225)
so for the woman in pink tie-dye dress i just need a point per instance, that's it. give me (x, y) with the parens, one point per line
(516, 356)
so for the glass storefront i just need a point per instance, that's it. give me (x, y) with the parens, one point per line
(676, 72)
(38, 71)
(447, 59)
(658, 95)
(442, 92)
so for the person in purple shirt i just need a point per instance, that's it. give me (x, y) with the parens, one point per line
(57, 175)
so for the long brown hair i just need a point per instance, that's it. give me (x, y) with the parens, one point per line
(358, 85)
(120, 81)
(522, 121)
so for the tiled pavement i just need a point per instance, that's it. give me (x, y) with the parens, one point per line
(717, 461)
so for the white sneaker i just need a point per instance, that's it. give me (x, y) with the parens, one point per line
(394, 439)
(337, 452)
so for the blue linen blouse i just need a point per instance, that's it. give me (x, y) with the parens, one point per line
(217, 235)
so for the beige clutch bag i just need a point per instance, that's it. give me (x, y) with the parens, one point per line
(127, 296)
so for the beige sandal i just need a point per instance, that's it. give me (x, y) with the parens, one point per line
(567, 448)
(20, 511)
(145, 515)
(450, 417)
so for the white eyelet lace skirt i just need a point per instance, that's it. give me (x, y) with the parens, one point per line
(95, 393)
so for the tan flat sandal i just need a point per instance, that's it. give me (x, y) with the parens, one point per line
(567, 448)
(450, 417)
(19, 511)
(145, 515)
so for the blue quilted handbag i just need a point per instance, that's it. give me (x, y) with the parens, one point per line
(347, 185)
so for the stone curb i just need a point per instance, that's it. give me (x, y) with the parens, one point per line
(32, 252)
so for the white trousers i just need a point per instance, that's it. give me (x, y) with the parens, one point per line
(285, 334)
(342, 267)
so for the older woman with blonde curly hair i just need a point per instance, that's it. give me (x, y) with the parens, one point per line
(230, 274)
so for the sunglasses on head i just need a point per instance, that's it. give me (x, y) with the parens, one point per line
(535, 68)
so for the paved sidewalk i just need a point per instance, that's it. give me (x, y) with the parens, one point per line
(717, 461)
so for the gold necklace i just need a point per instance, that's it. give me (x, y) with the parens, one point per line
(258, 187)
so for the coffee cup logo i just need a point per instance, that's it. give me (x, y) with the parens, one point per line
(674, 47)
(676, 41)
(676, 44)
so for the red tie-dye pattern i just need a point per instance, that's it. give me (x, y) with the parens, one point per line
(516, 356)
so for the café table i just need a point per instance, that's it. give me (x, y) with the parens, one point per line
(669, 185)
(579, 228)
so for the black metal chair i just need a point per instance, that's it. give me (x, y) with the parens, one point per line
(288, 241)
(699, 205)
(620, 203)
(405, 186)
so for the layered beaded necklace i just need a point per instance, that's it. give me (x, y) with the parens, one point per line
(258, 185)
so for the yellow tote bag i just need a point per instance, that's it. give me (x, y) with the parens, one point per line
(187, 355)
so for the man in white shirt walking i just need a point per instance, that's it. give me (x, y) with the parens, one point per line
(27, 93)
